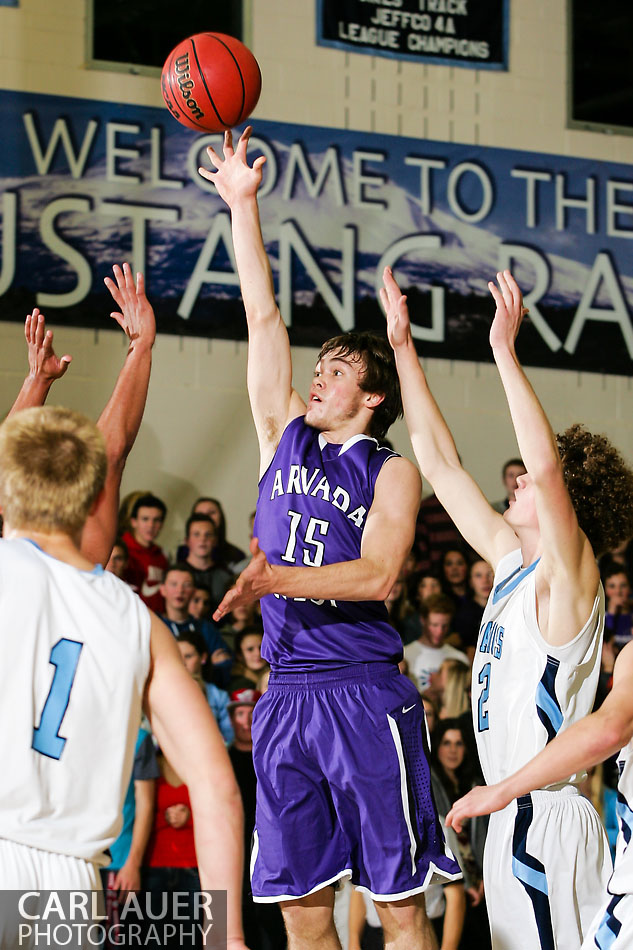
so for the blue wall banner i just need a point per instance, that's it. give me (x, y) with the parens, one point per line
(470, 33)
(85, 184)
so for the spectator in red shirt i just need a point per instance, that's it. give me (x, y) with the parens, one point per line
(170, 860)
(147, 563)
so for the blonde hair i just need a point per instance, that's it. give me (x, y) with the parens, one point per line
(455, 701)
(52, 467)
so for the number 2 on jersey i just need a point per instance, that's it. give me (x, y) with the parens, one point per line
(484, 678)
(46, 738)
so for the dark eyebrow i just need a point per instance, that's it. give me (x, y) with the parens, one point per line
(341, 359)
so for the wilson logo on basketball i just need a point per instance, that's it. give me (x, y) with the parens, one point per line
(210, 82)
(186, 83)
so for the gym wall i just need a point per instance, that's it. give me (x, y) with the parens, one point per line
(197, 437)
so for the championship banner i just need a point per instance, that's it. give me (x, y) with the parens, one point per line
(86, 184)
(471, 33)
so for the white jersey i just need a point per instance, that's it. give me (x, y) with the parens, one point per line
(424, 660)
(622, 879)
(524, 690)
(74, 657)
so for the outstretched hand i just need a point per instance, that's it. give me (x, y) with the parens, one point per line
(481, 800)
(234, 178)
(396, 310)
(510, 310)
(42, 359)
(136, 318)
(254, 581)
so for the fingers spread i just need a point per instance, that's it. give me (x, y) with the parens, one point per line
(40, 328)
(244, 137)
(228, 143)
(114, 290)
(494, 290)
(129, 280)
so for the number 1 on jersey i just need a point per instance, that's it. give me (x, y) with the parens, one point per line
(484, 678)
(46, 738)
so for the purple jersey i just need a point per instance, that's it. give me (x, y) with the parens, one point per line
(313, 504)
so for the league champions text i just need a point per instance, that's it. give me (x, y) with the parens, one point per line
(77, 920)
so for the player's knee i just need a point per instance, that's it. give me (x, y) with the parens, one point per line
(400, 917)
(311, 922)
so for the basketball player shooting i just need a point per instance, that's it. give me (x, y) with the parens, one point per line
(338, 734)
(537, 660)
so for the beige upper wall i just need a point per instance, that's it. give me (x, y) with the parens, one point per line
(197, 437)
(43, 49)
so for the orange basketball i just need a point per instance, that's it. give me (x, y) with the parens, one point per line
(211, 82)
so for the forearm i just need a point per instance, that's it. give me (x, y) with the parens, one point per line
(33, 393)
(189, 737)
(252, 262)
(586, 743)
(143, 821)
(219, 831)
(362, 579)
(536, 440)
(121, 418)
(430, 436)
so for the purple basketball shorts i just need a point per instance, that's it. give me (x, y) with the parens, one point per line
(343, 787)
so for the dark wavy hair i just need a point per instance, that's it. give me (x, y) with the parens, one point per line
(380, 375)
(465, 773)
(600, 485)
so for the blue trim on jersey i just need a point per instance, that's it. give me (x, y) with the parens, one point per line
(531, 873)
(547, 705)
(624, 814)
(507, 585)
(97, 569)
(610, 926)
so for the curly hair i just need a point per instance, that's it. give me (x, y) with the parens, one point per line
(600, 485)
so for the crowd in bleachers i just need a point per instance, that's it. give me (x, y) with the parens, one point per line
(436, 606)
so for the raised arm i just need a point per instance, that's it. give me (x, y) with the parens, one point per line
(387, 539)
(586, 743)
(567, 578)
(44, 366)
(187, 733)
(484, 529)
(121, 418)
(273, 401)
